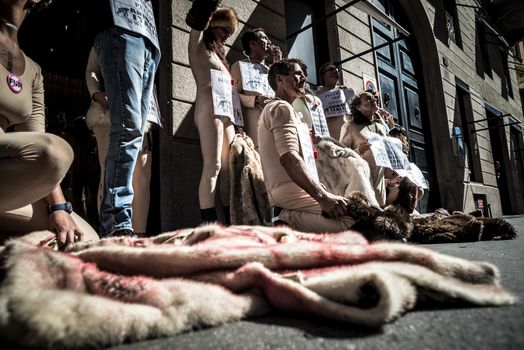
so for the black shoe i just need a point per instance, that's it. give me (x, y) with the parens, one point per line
(122, 232)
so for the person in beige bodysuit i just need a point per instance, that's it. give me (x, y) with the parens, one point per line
(206, 51)
(306, 205)
(98, 121)
(32, 162)
(329, 77)
(257, 47)
(355, 132)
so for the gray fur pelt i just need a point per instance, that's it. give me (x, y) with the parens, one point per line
(115, 290)
(342, 170)
(249, 203)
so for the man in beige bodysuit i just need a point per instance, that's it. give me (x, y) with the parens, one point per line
(306, 205)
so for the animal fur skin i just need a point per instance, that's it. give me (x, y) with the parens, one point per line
(342, 170)
(121, 289)
(249, 203)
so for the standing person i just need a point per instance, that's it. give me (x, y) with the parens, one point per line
(257, 48)
(32, 162)
(335, 115)
(355, 134)
(290, 180)
(98, 121)
(381, 115)
(128, 51)
(211, 27)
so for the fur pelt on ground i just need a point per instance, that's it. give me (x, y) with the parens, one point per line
(342, 170)
(249, 203)
(442, 227)
(121, 289)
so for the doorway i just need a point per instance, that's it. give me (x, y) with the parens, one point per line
(401, 85)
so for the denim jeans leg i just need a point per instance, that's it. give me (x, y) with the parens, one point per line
(124, 61)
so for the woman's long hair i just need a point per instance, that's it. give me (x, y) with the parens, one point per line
(214, 45)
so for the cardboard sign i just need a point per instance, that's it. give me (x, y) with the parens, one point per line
(136, 16)
(225, 98)
(254, 79)
(334, 103)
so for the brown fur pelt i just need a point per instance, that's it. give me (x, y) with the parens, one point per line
(249, 203)
(342, 170)
(377, 224)
(122, 289)
(442, 227)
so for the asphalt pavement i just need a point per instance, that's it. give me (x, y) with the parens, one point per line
(452, 328)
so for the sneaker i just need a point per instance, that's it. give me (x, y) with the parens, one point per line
(122, 232)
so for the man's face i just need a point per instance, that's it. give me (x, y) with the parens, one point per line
(262, 46)
(293, 83)
(368, 105)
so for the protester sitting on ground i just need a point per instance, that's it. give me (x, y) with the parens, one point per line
(32, 162)
(400, 133)
(98, 121)
(355, 134)
(257, 48)
(291, 185)
(210, 28)
(381, 115)
(337, 111)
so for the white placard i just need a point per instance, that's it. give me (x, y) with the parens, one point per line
(153, 115)
(225, 98)
(318, 118)
(307, 149)
(254, 79)
(334, 103)
(415, 175)
(238, 118)
(387, 152)
(136, 16)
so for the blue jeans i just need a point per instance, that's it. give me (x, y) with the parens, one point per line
(128, 66)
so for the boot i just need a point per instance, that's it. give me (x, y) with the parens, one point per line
(208, 215)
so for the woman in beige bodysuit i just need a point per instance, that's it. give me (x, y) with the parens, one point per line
(206, 51)
(32, 162)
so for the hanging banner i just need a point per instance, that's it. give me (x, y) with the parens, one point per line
(318, 119)
(387, 152)
(225, 98)
(136, 16)
(415, 175)
(254, 79)
(334, 103)
(307, 149)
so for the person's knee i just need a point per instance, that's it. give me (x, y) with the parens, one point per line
(54, 157)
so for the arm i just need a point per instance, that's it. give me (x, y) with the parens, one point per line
(95, 81)
(332, 205)
(36, 122)
(61, 222)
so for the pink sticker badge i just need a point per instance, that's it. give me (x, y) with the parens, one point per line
(14, 83)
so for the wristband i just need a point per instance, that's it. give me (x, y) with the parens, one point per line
(62, 206)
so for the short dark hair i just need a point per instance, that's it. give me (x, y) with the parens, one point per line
(397, 130)
(282, 67)
(247, 37)
(322, 70)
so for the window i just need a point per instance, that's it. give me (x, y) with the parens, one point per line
(505, 79)
(452, 22)
(468, 136)
(311, 46)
